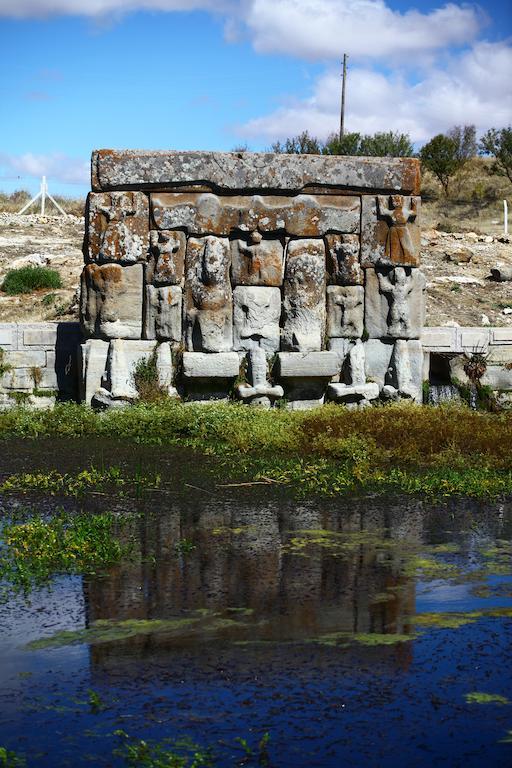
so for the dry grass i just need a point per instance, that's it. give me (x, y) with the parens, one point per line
(14, 202)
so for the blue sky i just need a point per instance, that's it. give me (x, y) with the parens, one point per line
(81, 74)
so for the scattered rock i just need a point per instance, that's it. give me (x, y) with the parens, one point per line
(501, 274)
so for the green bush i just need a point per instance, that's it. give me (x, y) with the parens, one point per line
(28, 279)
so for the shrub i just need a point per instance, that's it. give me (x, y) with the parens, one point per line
(145, 378)
(28, 279)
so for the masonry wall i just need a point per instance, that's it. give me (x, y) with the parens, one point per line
(39, 363)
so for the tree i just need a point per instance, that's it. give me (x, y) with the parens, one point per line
(464, 137)
(439, 156)
(303, 144)
(348, 144)
(498, 143)
(388, 144)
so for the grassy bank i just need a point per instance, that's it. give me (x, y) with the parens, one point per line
(408, 449)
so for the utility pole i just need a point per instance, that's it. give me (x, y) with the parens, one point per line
(343, 82)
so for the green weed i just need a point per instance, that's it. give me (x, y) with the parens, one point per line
(29, 279)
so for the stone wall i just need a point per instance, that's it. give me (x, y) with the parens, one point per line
(38, 363)
(294, 276)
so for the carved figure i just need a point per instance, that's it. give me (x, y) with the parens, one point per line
(259, 391)
(118, 226)
(209, 321)
(399, 245)
(345, 311)
(397, 287)
(257, 262)
(168, 257)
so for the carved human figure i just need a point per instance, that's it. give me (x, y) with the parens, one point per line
(257, 262)
(118, 226)
(258, 391)
(345, 313)
(397, 287)
(168, 257)
(397, 212)
(209, 321)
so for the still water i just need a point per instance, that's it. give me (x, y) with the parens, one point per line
(351, 631)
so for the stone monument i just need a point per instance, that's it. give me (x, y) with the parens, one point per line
(260, 276)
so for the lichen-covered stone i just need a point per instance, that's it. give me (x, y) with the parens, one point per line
(255, 261)
(390, 235)
(343, 267)
(394, 303)
(256, 313)
(117, 227)
(163, 313)
(304, 296)
(203, 213)
(345, 311)
(240, 171)
(111, 301)
(198, 365)
(208, 297)
(167, 258)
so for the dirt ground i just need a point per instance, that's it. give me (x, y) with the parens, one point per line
(457, 267)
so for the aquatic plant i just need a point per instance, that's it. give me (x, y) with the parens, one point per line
(36, 550)
(438, 452)
(55, 483)
(477, 697)
(169, 753)
(9, 759)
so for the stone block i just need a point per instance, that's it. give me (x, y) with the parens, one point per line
(163, 313)
(377, 359)
(354, 365)
(314, 365)
(345, 311)
(165, 369)
(8, 336)
(304, 296)
(394, 303)
(348, 393)
(235, 171)
(474, 340)
(439, 339)
(93, 362)
(204, 213)
(405, 372)
(198, 365)
(123, 356)
(43, 336)
(255, 261)
(117, 227)
(18, 378)
(111, 301)
(498, 378)
(343, 267)
(501, 336)
(23, 358)
(390, 235)
(208, 297)
(166, 264)
(256, 314)
(502, 273)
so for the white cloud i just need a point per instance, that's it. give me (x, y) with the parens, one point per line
(56, 166)
(463, 93)
(316, 29)
(310, 29)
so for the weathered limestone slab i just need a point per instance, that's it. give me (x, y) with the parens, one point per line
(439, 339)
(304, 296)
(117, 227)
(204, 213)
(354, 365)
(198, 365)
(255, 261)
(163, 313)
(405, 372)
(111, 301)
(8, 335)
(345, 311)
(93, 362)
(377, 359)
(473, 339)
(315, 365)
(237, 171)
(258, 391)
(357, 393)
(389, 233)
(166, 265)
(38, 335)
(208, 297)
(394, 303)
(256, 313)
(122, 360)
(501, 336)
(343, 267)
(25, 358)
(165, 369)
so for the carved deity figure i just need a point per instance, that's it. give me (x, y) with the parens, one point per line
(168, 256)
(395, 210)
(123, 231)
(397, 287)
(345, 311)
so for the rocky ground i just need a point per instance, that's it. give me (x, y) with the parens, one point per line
(457, 267)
